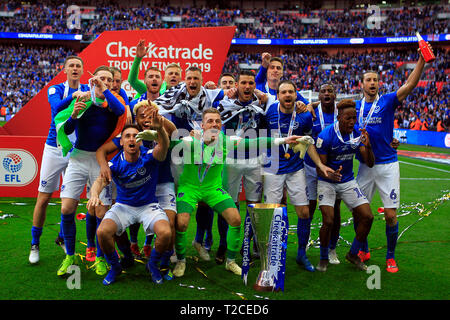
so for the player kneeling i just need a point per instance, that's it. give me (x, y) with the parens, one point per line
(336, 146)
(135, 172)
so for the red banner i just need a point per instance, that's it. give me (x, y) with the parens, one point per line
(205, 48)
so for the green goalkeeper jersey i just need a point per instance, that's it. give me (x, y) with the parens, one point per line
(203, 164)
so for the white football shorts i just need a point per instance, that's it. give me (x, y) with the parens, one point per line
(53, 166)
(125, 215)
(165, 193)
(386, 178)
(295, 184)
(349, 191)
(250, 174)
(83, 169)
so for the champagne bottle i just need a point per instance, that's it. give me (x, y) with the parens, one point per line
(427, 53)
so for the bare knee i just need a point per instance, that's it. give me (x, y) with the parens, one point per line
(106, 229)
(302, 212)
(68, 205)
(390, 215)
(182, 222)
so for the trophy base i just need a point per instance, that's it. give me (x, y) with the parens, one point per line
(257, 287)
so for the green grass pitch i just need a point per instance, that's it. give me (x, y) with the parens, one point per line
(422, 254)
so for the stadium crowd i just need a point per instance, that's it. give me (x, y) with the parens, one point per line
(312, 157)
(428, 102)
(24, 71)
(255, 23)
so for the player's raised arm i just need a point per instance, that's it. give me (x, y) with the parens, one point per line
(136, 84)
(157, 123)
(413, 79)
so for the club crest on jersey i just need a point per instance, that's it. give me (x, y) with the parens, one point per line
(319, 142)
(377, 109)
(51, 91)
(141, 171)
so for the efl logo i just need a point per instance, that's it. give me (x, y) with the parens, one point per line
(19, 167)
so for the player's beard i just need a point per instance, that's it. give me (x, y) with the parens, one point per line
(211, 135)
(371, 92)
(288, 105)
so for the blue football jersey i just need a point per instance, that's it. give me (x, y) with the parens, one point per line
(165, 173)
(60, 97)
(261, 84)
(96, 125)
(380, 127)
(338, 153)
(302, 125)
(135, 181)
(328, 119)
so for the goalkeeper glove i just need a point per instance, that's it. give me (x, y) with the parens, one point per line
(148, 135)
(302, 145)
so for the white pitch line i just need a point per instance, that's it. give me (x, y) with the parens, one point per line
(424, 178)
(419, 165)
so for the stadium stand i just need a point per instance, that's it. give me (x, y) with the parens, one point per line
(25, 69)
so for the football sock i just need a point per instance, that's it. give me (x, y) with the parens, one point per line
(60, 234)
(204, 218)
(36, 233)
(155, 257)
(303, 231)
(323, 253)
(333, 241)
(356, 246)
(91, 227)
(99, 249)
(125, 249)
(134, 230)
(148, 240)
(180, 244)
(112, 259)
(165, 259)
(391, 236)
(233, 240)
(365, 244)
(222, 225)
(69, 231)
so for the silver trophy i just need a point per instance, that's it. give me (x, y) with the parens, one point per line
(267, 224)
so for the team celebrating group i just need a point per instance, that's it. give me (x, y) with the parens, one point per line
(181, 146)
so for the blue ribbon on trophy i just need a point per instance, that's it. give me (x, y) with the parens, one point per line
(246, 247)
(277, 247)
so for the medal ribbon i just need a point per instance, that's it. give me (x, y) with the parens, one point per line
(291, 126)
(352, 141)
(322, 121)
(66, 89)
(361, 112)
(241, 128)
(201, 176)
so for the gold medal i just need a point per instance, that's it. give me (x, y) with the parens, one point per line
(287, 155)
